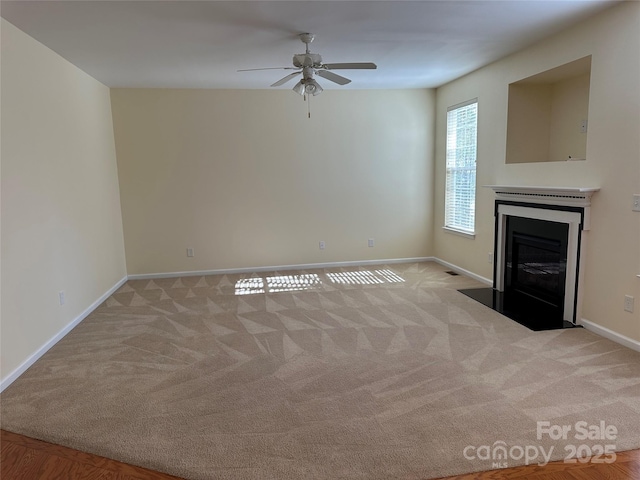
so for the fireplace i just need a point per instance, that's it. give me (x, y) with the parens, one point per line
(537, 262)
(536, 259)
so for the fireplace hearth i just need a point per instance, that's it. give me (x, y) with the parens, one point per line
(537, 262)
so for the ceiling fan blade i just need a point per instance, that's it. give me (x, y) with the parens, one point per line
(350, 66)
(269, 68)
(284, 80)
(333, 77)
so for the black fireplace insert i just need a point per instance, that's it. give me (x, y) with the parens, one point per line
(536, 260)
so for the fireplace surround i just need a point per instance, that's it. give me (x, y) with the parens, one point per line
(537, 263)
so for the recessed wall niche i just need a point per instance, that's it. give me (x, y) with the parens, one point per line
(547, 119)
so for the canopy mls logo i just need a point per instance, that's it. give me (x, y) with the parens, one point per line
(499, 453)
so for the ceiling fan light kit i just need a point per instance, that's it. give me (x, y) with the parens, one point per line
(309, 64)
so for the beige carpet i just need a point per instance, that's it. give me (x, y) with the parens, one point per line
(380, 372)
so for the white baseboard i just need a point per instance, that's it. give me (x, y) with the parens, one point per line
(611, 335)
(9, 379)
(304, 266)
(455, 268)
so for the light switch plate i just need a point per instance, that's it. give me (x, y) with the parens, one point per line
(636, 203)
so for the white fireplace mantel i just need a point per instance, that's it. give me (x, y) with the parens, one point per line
(569, 196)
(558, 196)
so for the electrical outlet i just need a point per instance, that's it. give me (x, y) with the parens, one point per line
(321, 244)
(61, 298)
(636, 203)
(189, 252)
(372, 242)
(628, 303)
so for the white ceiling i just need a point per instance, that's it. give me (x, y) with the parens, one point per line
(202, 44)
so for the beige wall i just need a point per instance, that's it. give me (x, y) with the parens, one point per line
(61, 221)
(247, 180)
(569, 106)
(528, 132)
(613, 153)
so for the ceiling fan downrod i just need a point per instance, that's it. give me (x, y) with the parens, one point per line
(307, 38)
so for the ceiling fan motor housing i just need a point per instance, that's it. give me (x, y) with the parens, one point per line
(307, 73)
(302, 60)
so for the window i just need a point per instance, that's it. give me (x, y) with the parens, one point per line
(460, 192)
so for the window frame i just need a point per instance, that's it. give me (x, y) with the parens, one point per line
(451, 227)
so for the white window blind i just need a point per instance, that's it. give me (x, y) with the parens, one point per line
(460, 196)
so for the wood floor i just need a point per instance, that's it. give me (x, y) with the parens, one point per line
(29, 459)
(24, 458)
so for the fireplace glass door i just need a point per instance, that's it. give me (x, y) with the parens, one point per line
(536, 263)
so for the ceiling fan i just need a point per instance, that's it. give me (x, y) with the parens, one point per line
(309, 64)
